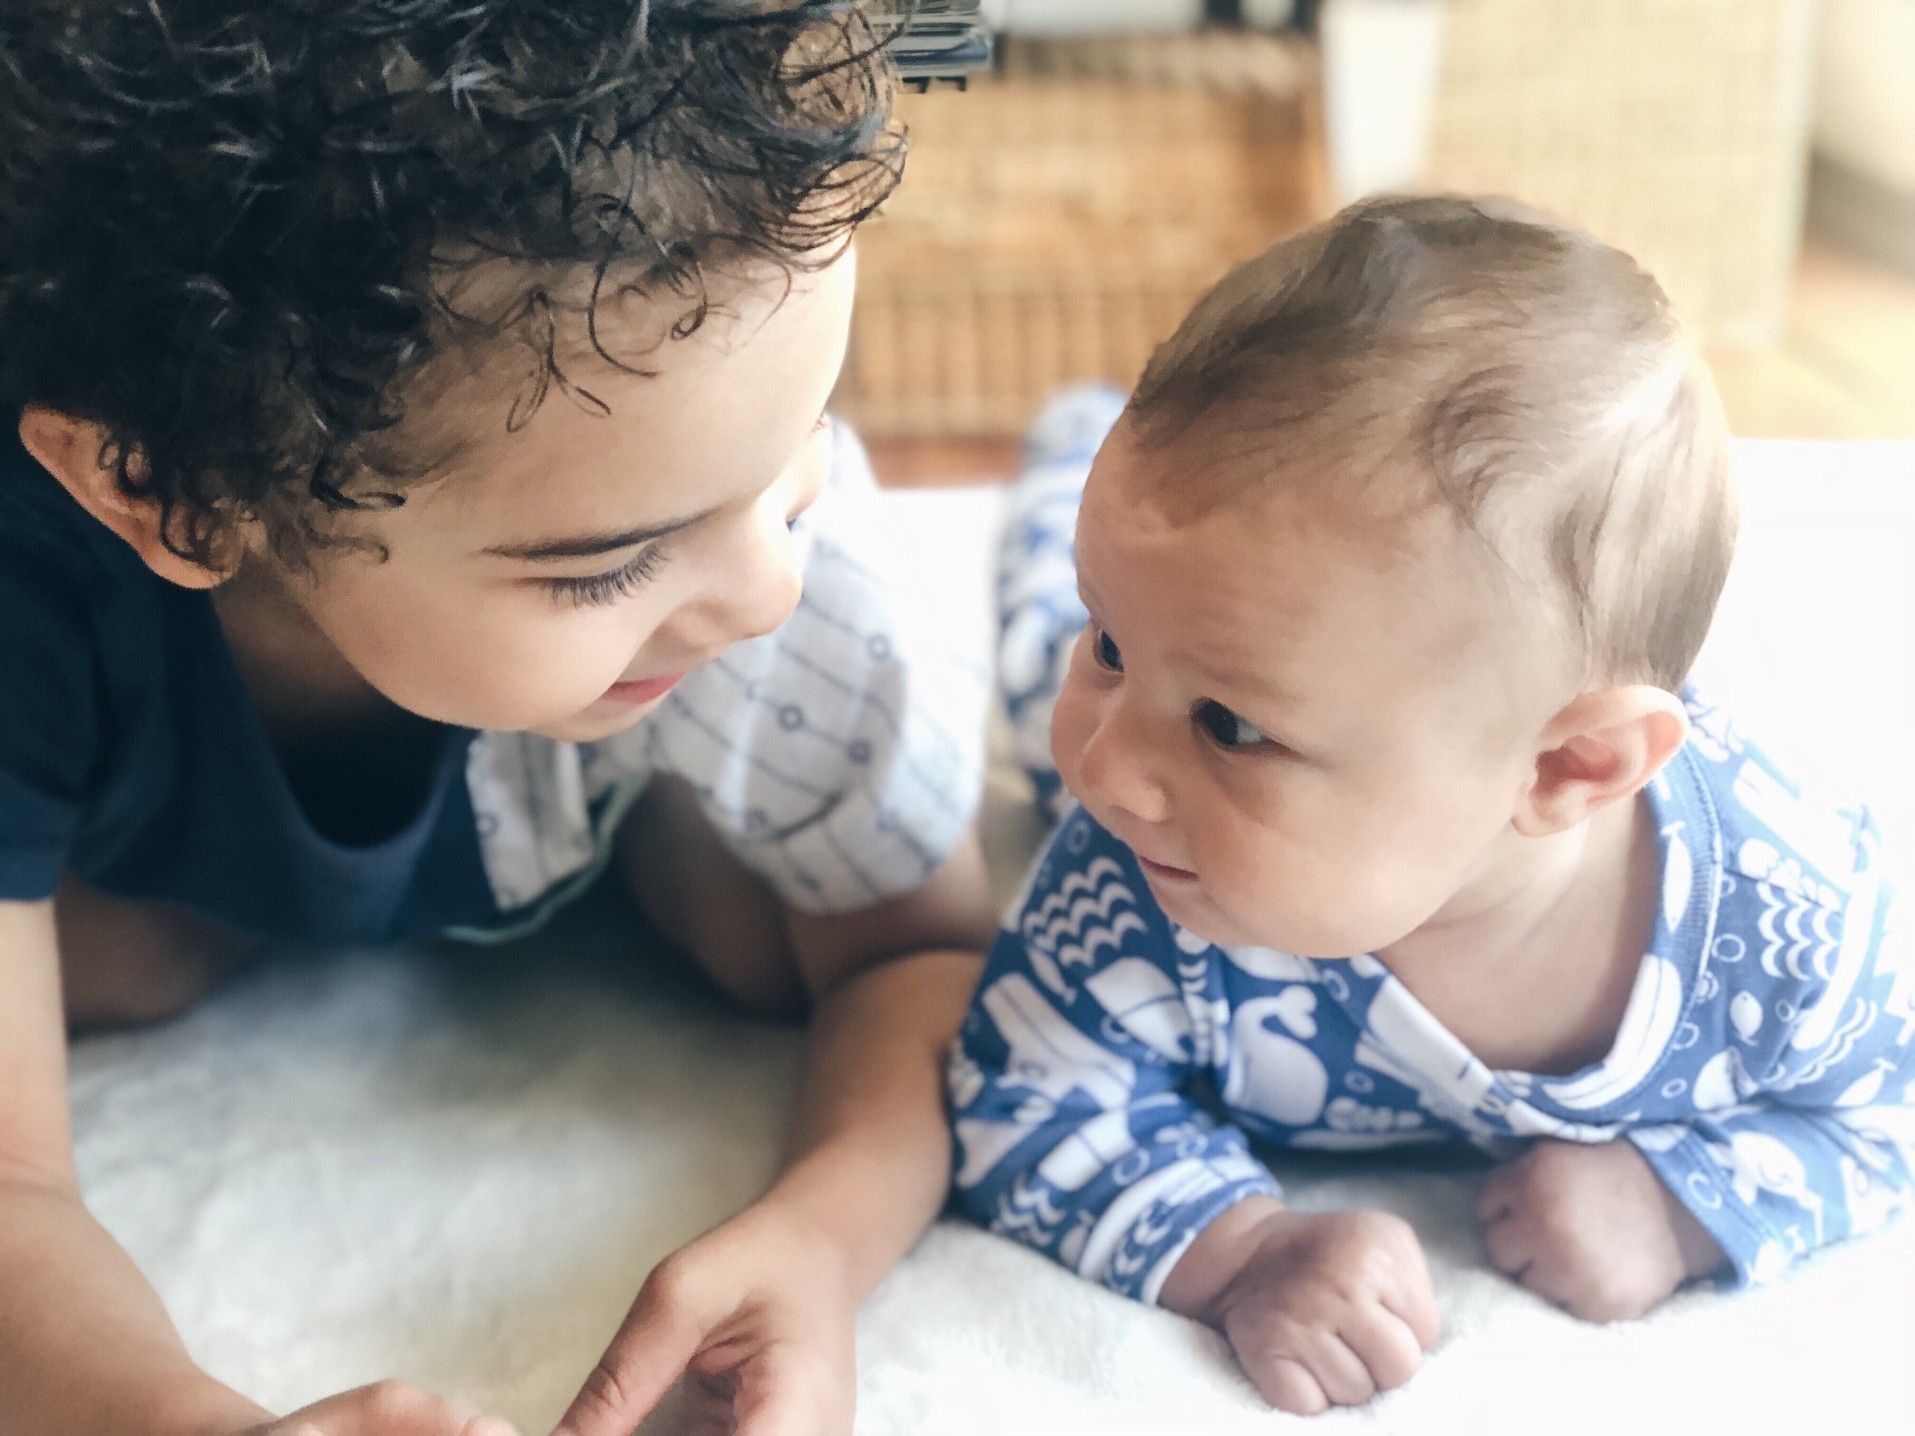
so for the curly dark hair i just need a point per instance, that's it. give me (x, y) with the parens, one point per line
(227, 228)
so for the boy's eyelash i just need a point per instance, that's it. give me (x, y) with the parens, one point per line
(598, 589)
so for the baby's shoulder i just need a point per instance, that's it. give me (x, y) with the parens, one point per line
(1794, 911)
(1761, 825)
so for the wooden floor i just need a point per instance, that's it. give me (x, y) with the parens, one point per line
(1844, 370)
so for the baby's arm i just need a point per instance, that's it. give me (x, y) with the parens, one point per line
(1076, 1135)
(1819, 1151)
(1803, 1135)
(86, 1349)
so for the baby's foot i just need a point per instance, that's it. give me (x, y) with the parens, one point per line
(1039, 613)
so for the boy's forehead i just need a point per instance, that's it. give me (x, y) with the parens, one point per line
(503, 321)
(616, 449)
(636, 352)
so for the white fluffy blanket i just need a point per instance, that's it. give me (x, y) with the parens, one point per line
(457, 1166)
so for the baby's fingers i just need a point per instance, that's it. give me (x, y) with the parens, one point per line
(1511, 1244)
(1388, 1348)
(1289, 1385)
(1413, 1303)
(1498, 1196)
(1306, 1371)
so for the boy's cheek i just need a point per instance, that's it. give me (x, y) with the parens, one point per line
(481, 668)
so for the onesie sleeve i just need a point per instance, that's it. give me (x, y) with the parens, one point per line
(1075, 1127)
(842, 755)
(1805, 1128)
(48, 724)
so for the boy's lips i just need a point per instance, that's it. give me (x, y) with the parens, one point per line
(646, 690)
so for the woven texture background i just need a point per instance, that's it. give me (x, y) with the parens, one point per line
(1058, 220)
(1675, 129)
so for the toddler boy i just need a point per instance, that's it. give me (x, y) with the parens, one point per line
(1398, 822)
(416, 497)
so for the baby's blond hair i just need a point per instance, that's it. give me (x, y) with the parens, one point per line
(1535, 376)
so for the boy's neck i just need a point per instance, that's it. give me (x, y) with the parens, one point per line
(299, 681)
(1532, 965)
(360, 766)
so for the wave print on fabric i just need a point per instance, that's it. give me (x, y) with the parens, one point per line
(1074, 924)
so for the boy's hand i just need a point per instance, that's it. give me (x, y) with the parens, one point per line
(1323, 1309)
(390, 1408)
(756, 1316)
(1592, 1229)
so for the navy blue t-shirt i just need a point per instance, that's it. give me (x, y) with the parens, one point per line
(131, 754)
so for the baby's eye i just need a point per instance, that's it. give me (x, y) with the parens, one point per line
(1226, 729)
(1109, 655)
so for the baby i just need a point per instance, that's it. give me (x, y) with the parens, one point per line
(1398, 822)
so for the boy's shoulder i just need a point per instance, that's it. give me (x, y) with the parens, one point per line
(48, 543)
(67, 586)
(60, 599)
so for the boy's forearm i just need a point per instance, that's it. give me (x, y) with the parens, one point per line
(871, 1153)
(86, 1349)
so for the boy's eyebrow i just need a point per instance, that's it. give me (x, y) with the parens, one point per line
(591, 545)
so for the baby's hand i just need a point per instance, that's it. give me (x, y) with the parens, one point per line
(1592, 1229)
(390, 1408)
(1322, 1309)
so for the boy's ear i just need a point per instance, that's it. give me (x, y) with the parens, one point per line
(70, 449)
(1601, 748)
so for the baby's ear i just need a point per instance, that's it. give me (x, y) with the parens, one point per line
(1601, 748)
(71, 450)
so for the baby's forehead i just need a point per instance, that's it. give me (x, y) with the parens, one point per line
(1249, 512)
(1287, 484)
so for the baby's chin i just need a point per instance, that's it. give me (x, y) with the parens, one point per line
(1196, 913)
(1192, 910)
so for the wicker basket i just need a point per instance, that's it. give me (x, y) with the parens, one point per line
(1059, 219)
(1676, 129)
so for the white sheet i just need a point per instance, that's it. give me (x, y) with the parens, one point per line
(457, 1166)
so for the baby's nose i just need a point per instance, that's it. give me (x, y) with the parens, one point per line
(1119, 772)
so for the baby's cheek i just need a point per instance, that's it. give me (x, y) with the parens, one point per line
(1071, 722)
(1258, 877)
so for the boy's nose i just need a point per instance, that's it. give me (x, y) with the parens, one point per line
(755, 592)
(767, 600)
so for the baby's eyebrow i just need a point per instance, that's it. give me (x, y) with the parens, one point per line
(591, 545)
(1252, 683)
